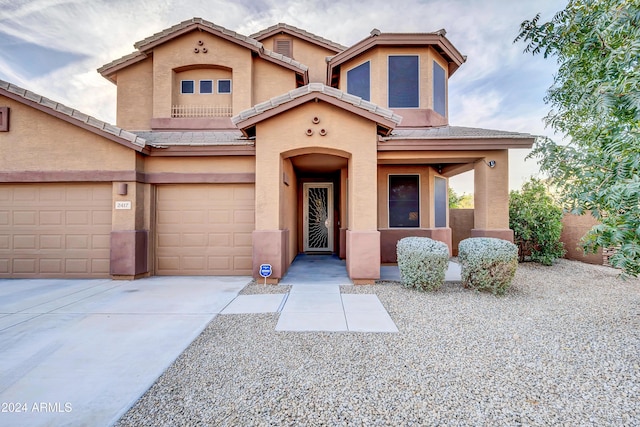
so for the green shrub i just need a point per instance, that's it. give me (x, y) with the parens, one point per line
(487, 264)
(536, 221)
(423, 262)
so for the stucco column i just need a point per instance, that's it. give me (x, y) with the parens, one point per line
(270, 241)
(491, 197)
(363, 237)
(130, 230)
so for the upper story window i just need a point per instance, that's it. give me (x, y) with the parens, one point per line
(404, 201)
(187, 86)
(206, 86)
(404, 81)
(439, 90)
(359, 81)
(224, 86)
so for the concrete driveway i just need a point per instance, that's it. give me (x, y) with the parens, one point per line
(81, 352)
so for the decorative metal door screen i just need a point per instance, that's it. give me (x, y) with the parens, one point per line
(318, 217)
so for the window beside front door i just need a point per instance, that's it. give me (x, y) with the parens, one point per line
(441, 201)
(359, 81)
(404, 81)
(404, 201)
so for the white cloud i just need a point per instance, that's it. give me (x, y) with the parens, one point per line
(104, 30)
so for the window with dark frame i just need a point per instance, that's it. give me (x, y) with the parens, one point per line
(404, 201)
(187, 86)
(404, 81)
(439, 90)
(359, 81)
(224, 86)
(206, 86)
(440, 201)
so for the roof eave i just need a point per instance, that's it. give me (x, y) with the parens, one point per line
(455, 144)
(385, 125)
(453, 56)
(108, 71)
(140, 146)
(275, 30)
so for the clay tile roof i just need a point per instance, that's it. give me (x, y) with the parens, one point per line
(204, 138)
(188, 25)
(71, 115)
(125, 60)
(317, 88)
(142, 44)
(282, 27)
(454, 132)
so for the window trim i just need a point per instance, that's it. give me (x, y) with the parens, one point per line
(353, 68)
(419, 177)
(389, 83)
(200, 87)
(193, 82)
(218, 86)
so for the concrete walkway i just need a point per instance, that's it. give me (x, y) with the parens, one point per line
(315, 302)
(81, 352)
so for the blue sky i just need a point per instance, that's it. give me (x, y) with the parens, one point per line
(53, 47)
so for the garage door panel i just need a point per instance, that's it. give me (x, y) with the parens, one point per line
(50, 218)
(204, 229)
(55, 230)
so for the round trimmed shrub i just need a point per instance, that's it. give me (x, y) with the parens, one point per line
(487, 264)
(423, 262)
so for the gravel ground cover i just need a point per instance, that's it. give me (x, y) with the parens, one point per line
(562, 347)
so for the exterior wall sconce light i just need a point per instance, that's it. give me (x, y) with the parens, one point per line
(122, 188)
(491, 163)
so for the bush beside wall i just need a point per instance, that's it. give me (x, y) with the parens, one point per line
(422, 262)
(487, 264)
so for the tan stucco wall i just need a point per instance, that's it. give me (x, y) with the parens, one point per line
(196, 98)
(379, 72)
(461, 222)
(213, 164)
(179, 52)
(135, 96)
(270, 80)
(491, 192)
(311, 55)
(347, 135)
(290, 206)
(574, 227)
(40, 142)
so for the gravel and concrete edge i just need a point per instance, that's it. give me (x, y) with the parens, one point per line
(562, 347)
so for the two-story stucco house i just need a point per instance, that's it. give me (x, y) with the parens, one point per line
(231, 151)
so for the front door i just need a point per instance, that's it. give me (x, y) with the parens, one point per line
(318, 216)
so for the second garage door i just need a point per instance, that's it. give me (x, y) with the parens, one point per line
(204, 229)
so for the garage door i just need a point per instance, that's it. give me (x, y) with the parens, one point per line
(204, 229)
(55, 230)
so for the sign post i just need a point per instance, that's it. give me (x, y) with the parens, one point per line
(265, 271)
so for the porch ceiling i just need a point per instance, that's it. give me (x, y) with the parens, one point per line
(318, 163)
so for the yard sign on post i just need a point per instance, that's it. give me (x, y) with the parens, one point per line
(265, 271)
